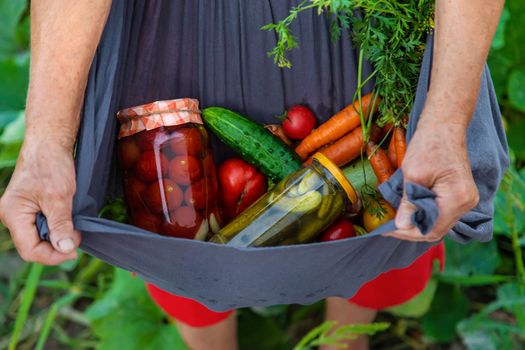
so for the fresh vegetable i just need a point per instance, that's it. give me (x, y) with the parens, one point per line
(253, 142)
(380, 162)
(377, 213)
(390, 35)
(392, 154)
(241, 184)
(360, 173)
(163, 196)
(360, 230)
(186, 141)
(341, 229)
(336, 127)
(299, 122)
(185, 169)
(150, 167)
(349, 147)
(400, 145)
(278, 131)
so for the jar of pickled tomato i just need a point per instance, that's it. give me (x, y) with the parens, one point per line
(169, 176)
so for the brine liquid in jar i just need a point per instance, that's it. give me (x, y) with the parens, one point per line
(295, 210)
(169, 176)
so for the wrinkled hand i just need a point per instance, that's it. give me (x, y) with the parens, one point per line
(43, 181)
(437, 158)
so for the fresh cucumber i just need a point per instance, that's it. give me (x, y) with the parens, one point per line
(355, 174)
(253, 142)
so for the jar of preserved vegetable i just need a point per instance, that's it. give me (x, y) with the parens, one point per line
(295, 210)
(169, 176)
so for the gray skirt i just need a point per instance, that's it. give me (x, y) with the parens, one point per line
(214, 50)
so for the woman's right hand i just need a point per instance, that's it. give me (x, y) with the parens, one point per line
(43, 181)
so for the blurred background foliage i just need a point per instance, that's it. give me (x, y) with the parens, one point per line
(478, 302)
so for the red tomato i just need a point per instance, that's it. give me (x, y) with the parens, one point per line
(128, 152)
(134, 191)
(185, 169)
(299, 122)
(184, 223)
(339, 230)
(146, 221)
(166, 198)
(150, 168)
(241, 184)
(196, 195)
(186, 141)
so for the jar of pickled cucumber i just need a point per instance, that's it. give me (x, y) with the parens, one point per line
(295, 210)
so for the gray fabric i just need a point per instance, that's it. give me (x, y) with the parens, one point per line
(214, 51)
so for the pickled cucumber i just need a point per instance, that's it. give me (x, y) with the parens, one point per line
(310, 181)
(301, 204)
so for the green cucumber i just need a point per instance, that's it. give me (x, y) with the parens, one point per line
(253, 142)
(354, 173)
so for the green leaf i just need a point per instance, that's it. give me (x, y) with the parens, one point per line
(511, 291)
(7, 117)
(475, 258)
(450, 306)
(509, 203)
(126, 318)
(11, 11)
(14, 131)
(419, 305)
(261, 333)
(485, 330)
(499, 37)
(14, 79)
(515, 133)
(475, 280)
(516, 89)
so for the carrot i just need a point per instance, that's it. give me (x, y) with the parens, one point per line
(392, 154)
(336, 127)
(387, 128)
(348, 147)
(379, 162)
(400, 145)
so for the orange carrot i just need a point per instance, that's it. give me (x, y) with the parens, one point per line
(387, 128)
(348, 147)
(336, 127)
(392, 154)
(401, 145)
(379, 162)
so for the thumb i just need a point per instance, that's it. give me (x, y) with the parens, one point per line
(62, 234)
(404, 214)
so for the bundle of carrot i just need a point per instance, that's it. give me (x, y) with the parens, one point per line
(341, 139)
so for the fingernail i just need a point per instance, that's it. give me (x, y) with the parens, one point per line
(66, 245)
(404, 220)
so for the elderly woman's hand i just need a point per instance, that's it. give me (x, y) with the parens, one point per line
(437, 159)
(43, 181)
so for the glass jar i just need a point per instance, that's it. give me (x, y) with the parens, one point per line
(170, 183)
(295, 210)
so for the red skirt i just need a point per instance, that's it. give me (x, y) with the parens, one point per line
(401, 284)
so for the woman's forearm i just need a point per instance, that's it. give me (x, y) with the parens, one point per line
(464, 31)
(463, 34)
(64, 37)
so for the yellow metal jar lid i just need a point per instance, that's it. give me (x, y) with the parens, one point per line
(339, 176)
